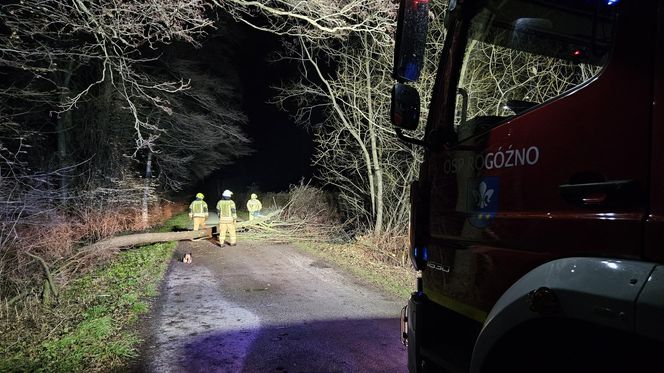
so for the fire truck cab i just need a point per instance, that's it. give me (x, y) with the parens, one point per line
(537, 222)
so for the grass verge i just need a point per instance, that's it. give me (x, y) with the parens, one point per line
(180, 221)
(394, 280)
(90, 326)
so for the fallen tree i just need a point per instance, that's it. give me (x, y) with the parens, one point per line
(146, 238)
(269, 227)
(277, 227)
(306, 217)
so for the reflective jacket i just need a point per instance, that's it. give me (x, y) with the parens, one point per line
(198, 209)
(226, 210)
(254, 205)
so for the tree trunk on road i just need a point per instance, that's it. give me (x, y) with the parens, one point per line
(147, 238)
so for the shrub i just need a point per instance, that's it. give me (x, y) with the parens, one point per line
(56, 241)
(311, 204)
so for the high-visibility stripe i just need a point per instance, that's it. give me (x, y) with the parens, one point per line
(226, 208)
(198, 207)
(456, 306)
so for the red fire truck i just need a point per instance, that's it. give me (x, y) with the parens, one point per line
(537, 222)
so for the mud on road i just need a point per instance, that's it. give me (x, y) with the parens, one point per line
(269, 308)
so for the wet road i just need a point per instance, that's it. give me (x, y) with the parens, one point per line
(269, 308)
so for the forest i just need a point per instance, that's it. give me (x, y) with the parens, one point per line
(111, 110)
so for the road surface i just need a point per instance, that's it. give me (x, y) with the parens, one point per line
(269, 308)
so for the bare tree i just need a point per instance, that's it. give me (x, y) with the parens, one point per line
(52, 39)
(90, 65)
(78, 77)
(64, 49)
(314, 20)
(345, 49)
(204, 131)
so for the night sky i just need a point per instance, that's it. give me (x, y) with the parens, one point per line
(282, 150)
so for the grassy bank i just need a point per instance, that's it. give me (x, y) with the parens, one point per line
(89, 328)
(397, 281)
(180, 221)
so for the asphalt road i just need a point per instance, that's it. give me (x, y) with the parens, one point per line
(269, 308)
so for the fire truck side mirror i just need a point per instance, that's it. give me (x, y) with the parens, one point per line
(412, 25)
(405, 109)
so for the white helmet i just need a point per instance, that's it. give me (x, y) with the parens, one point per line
(226, 193)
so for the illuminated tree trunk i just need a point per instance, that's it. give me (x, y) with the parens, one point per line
(146, 189)
(375, 165)
(63, 126)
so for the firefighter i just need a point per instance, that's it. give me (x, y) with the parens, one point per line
(254, 207)
(198, 211)
(227, 217)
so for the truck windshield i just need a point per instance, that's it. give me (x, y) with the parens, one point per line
(522, 53)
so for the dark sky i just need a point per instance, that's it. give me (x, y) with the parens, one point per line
(282, 150)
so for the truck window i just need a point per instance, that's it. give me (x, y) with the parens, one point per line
(519, 54)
